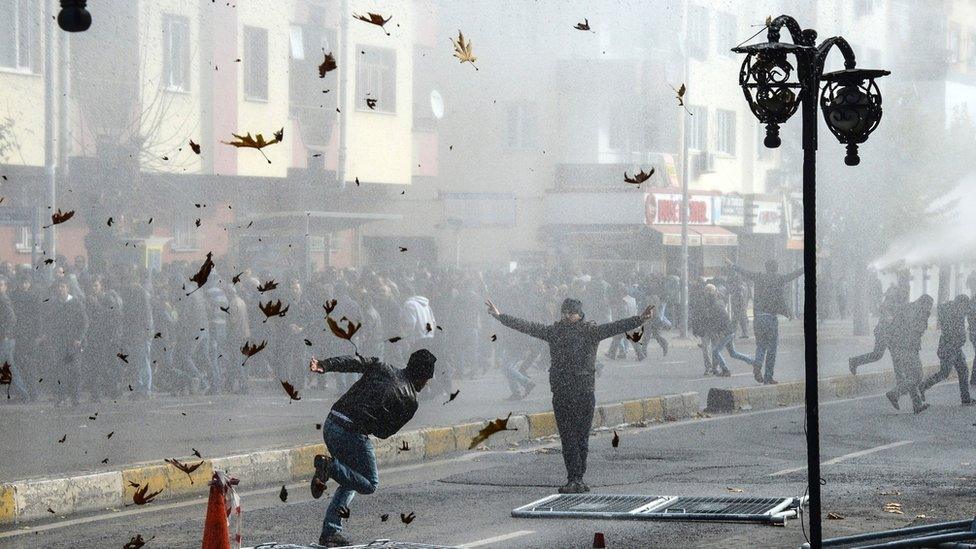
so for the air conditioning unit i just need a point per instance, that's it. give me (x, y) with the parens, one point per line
(705, 162)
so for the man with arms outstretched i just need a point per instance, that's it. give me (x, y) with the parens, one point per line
(380, 403)
(572, 346)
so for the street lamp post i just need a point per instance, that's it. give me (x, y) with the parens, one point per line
(851, 103)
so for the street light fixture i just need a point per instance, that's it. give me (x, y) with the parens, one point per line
(777, 79)
(73, 16)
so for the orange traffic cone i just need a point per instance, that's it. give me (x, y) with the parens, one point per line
(598, 541)
(216, 534)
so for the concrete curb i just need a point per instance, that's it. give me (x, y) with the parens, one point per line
(764, 397)
(36, 498)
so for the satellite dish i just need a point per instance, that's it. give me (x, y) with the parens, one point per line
(436, 104)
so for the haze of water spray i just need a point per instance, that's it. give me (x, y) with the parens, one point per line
(950, 237)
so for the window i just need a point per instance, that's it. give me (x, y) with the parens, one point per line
(953, 38)
(176, 53)
(725, 34)
(25, 240)
(697, 32)
(256, 63)
(725, 131)
(16, 27)
(697, 128)
(521, 127)
(297, 42)
(376, 79)
(185, 233)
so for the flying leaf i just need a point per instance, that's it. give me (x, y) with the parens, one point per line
(394, 339)
(105, 460)
(197, 222)
(329, 306)
(584, 26)
(308, 343)
(58, 217)
(835, 516)
(384, 517)
(237, 278)
(453, 396)
(462, 50)
(290, 389)
(769, 20)
(328, 64)
(224, 309)
(65, 437)
(636, 336)
(375, 19)
(404, 446)
(257, 142)
(141, 497)
(196, 452)
(49, 510)
(371, 103)
(272, 308)
(616, 440)
(639, 177)
(184, 467)
(109, 222)
(343, 512)
(494, 337)
(204, 273)
(429, 328)
(268, 286)
(494, 426)
(283, 494)
(347, 333)
(122, 357)
(402, 249)
(195, 147)
(108, 436)
(680, 96)
(407, 519)
(251, 349)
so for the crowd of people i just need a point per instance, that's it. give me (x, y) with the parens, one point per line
(76, 333)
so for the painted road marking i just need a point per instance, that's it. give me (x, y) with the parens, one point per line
(496, 539)
(846, 457)
(715, 377)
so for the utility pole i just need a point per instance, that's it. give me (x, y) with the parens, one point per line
(685, 176)
(50, 169)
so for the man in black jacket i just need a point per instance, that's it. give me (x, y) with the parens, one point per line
(908, 326)
(67, 339)
(952, 319)
(572, 346)
(380, 403)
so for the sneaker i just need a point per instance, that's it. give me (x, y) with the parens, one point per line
(528, 388)
(893, 400)
(571, 487)
(969, 403)
(757, 373)
(582, 486)
(771, 382)
(724, 373)
(921, 408)
(323, 464)
(852, 367)
(664, 346)
(334, 539)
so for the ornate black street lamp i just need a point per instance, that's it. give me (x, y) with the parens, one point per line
(778, 79)
(74, 17)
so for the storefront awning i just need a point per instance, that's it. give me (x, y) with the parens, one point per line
(713, 235)
(307, 222)
(671, 235)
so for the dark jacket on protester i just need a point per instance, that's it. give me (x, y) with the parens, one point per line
(8, 318)
(952, 319)
(27, 308)
(69, 324)
(717, 321)
(572, 346)
(769, 296)
(908, 325)
(380, 402)
(136, 314)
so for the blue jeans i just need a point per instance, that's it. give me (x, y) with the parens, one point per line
(515, 377)
(353, 467)
(766, 328)
(17, 380)
(719, 343)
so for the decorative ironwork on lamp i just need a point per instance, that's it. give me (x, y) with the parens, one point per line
(851, 105)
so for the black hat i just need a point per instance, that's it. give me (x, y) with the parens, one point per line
(421, 364)
(570, 306)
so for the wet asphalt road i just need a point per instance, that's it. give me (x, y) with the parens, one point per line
(874, 456)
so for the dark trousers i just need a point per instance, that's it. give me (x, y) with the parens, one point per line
(879, 349)
(574, 418)
(949, 359)
(908, 374)
(766, 328)
(740, 318)
(68, 380)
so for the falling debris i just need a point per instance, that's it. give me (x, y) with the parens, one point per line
(494, 426)
(328, 64)
(462, 50)
(375, 19)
